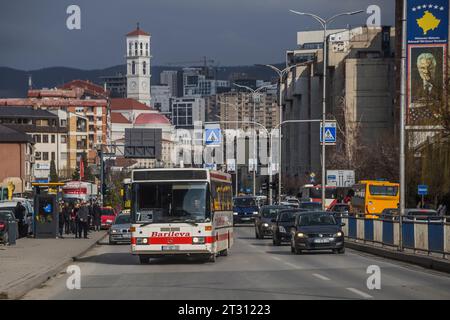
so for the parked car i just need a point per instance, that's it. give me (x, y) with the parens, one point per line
(6, 216)
(282, 225)
(422, 215)
(311, 206)
(108, 215)
(120, 229)
(28, 217)
(341, 209)
(317, 231)
(293, 200)
(263, 221)
(288, 204)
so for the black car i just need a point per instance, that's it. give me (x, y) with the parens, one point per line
(263, 221)
(311, 206)
(317, 231)
(282, 225)
(6, 216)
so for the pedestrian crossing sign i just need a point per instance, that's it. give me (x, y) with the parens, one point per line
(330, 132)
(213, 136)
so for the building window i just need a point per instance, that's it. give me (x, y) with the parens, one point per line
(45, 138)
(63, 123)
(130, 49)
(81, 125)
(63, 156)
(63, 139)
(37, 155)
(144, 68)
(136, 48)
(42, 123)
(45, 156)
(146, 49)
(53, 156)
(53, 138)
(133, 67)
(37, 138)
(142, 46)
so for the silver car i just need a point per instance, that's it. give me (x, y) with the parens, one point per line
(120, 230)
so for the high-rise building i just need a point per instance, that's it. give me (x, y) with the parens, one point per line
(138, 65)
(170, 79)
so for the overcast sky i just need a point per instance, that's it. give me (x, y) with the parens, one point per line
(33, 33)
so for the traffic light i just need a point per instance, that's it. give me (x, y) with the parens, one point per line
(264, 186)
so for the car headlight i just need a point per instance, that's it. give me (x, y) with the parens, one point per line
(265, 225)
(301, 235)
(235, 213)
(281, 229)
(255, 212)
(339, 234)
(114, 231)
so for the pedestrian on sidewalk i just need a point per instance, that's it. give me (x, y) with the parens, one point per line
(19, 213)
(97, 216)
(66, 212)
(61, 219)
(74, 219)
(83, 217)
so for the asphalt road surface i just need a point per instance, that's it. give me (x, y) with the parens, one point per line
(254, 269)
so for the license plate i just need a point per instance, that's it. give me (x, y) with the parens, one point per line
(170, 248)
(126, 235)
(245, 219)
(321, 240)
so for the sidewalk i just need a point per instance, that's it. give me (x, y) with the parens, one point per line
(31, 262)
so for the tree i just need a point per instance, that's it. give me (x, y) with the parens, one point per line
(53, 174)
(76, 174)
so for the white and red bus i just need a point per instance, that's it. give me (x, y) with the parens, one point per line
(181, 211)
(313, 193)
(79, 190)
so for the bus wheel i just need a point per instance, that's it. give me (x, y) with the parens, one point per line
(144, 259)
(212, 258)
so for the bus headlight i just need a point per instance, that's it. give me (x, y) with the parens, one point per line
(198, 240)
(141, 241)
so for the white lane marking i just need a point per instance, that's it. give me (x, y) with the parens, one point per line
(292, 265)
(321, 277)
(360, 293)
(276, 258)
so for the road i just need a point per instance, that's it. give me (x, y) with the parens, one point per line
(254, 269)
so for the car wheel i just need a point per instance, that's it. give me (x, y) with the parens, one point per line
(341, 251)
(111, 242)
(144, 259)
(297, 251)
(276, 242)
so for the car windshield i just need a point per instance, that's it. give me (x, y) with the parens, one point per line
(123, 219)
(316, 219)
(244, 202)
(311, 205)
(288, 216)
(171, 202)
(341, 208)
(107, 212)
(271, 212)
(422, 213)
(383, 190)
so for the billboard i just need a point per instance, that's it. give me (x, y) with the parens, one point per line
(427, 40)
(143, 143)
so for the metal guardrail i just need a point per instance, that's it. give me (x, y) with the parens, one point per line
(419, 233)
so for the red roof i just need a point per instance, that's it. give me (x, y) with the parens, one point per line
(128, 104)
(88, 86)
(117, 117)
(151, 118)
(137, 32)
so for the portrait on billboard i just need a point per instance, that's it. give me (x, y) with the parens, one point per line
(426, 75)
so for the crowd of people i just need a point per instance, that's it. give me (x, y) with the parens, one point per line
(78, 217)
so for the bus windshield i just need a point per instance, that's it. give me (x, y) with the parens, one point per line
(171, 202)
(244, 202)
(383, 191)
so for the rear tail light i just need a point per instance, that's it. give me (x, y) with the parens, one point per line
(2, 226)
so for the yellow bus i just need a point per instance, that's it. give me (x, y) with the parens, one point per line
(371, 197)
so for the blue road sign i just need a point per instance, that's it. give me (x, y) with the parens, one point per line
(213, 137)
(330, 132)
(422, 189)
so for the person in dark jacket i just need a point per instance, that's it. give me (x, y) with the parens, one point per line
(19, 213)
(83, 218)
(97, 216)
(74, 219)
(66, 213)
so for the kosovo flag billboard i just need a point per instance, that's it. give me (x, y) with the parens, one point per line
(427, 40)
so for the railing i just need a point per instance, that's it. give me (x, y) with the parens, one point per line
(419, 233)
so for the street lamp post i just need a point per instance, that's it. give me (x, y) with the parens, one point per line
(254, 92)
(281, 74)
(324, 23)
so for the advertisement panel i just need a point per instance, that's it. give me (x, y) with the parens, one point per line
(427, 40)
